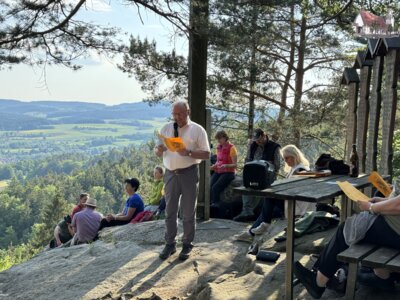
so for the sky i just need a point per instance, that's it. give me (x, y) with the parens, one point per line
(99, 81)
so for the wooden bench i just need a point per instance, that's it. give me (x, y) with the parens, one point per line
(369, 255)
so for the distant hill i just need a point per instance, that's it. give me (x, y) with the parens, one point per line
(18, 115)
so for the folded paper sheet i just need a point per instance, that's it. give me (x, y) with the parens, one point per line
(351, 192)
(378, 182)
(173, 144)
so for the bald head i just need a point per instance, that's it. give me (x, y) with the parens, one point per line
(181, 103)
(180, 112)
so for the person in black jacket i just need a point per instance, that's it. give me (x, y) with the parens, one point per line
(260, 148)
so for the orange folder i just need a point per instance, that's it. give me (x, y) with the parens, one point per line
(378, 182)
(173, 144)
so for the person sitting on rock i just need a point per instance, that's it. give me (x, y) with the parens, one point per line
(86, 223)
(224, 168)
(62, 233)
(295, 161)
(260, 148)
(134, 205)
(377, 223)
(156, 193)
(81, 204)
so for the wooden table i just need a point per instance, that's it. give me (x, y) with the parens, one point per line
(304, 189)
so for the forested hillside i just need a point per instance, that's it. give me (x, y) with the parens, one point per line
(31, 208)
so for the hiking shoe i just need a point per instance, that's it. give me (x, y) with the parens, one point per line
(280, 238)
(370, 279)
(243, 217)
(253, 249)
(186, 249)
(168, 250)
(244, 237)
(309, 279)
(260, 229)
(336, 285)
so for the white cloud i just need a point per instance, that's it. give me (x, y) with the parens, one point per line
(99, 5)
(95, 5)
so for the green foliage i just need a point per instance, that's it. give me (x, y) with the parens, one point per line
(32, 207)
(396, 154)
(16, 255)
(45, 32)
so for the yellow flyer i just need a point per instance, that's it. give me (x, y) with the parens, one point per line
(173, 144)
(351, 192)
(378, 182)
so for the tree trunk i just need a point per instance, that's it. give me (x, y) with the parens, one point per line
(198, 41)
(299, 84)
(252, 85)
(288, 75)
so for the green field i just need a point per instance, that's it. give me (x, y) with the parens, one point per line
(62, 138)
(3, 184)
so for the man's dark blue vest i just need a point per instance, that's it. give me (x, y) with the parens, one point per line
(268, 153)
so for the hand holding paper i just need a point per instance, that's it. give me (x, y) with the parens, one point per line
(173, 144)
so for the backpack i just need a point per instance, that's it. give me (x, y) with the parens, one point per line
(143, 216)
(337, 167)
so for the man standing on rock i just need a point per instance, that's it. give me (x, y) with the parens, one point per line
(181, 177)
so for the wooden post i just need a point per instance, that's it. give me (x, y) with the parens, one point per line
(374, 109)
(363, 107)
(389, 102)
(198, 39)
(351, 79)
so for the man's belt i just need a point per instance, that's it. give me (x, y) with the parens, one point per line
(183, 170)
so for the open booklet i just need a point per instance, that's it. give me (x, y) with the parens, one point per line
(351, 192)
(376, 180)
(173, 144)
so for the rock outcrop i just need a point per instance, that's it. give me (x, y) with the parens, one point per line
(124, 264)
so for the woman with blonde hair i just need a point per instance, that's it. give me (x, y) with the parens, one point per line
(295, 162)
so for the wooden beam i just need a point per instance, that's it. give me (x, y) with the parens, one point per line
(362, 115)
(374, 114)
(351, 79)
(389, 104)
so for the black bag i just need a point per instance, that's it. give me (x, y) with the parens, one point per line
(258, 174)
(327, 162)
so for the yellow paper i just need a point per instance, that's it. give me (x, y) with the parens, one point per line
(378, 182)
(351, 192)
(173, 144)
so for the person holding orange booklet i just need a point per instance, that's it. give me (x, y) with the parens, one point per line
(378, 223)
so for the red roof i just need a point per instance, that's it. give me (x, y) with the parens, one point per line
(370, 19)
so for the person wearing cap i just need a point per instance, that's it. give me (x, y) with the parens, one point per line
(260, 148)
(181, 177)
(133, 205)
(86, 223)
(81, 204)
(62, 233)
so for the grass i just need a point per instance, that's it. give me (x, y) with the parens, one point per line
(73, 137)
(3, 184)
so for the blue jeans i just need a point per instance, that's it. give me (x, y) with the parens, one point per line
(218, 183)
(271, 208)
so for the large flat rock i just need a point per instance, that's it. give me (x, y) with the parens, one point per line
(124, 264)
